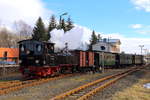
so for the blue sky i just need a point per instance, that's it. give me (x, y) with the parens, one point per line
(107, 16)
(127, 20)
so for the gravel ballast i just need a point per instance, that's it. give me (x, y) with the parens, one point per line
(52, 88)
(128, 81)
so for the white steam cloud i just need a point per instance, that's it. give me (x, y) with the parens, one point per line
(77, 38)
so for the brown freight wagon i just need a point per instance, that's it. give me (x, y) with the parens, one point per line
(85, 60)
(90, 56)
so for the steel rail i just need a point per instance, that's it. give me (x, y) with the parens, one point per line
(87, 95)
(9, 84)
(100, 88)
(29, 83)
(73, 91)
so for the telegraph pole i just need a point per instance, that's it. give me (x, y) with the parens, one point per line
(103, 61)
(61, 16)
(109, 44)
(141, 46)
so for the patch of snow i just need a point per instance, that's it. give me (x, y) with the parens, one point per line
(147, 85)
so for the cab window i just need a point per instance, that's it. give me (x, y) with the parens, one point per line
(22, 48)
(38, 47)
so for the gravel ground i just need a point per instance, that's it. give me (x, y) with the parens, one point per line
(128, 81)
(50, 89)
(9, 77)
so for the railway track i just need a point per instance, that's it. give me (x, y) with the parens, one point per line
(85, 91)
(7, 87)
(9, 83)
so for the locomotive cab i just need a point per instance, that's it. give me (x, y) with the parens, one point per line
(35, 53)
(49, 47)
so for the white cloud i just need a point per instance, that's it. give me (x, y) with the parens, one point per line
(27, 10)
(141, 29)
(136, 26)
(142, 4)
(144, 32)
(130, 45)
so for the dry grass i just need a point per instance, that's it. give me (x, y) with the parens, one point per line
(85, 77)
(18, 98)
(135, 92)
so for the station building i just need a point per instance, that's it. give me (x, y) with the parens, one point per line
(9, 54)
(107, 45)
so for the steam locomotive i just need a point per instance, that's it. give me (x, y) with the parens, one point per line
(38, 59)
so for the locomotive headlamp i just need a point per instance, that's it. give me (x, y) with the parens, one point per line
(28, 52)
(44, 62)
(37, 61)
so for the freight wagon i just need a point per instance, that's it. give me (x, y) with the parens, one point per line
(85, 60)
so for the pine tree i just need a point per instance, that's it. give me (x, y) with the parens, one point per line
(69, 24)
(39, 32)
(63, 25)
(99, 37)
(47, 37)
(59, 26)
(93, 40)
(52, 24)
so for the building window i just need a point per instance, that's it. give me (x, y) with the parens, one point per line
(5, 55)
(102, 48)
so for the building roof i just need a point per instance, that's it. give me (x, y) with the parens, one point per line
(111, 40)
(114, 40)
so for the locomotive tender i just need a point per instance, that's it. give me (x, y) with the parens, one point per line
(38, 59)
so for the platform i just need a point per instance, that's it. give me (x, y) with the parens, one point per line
(9, 66)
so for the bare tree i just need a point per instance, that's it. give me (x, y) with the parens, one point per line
(7, 38)
(23, 29)
(4, 38)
